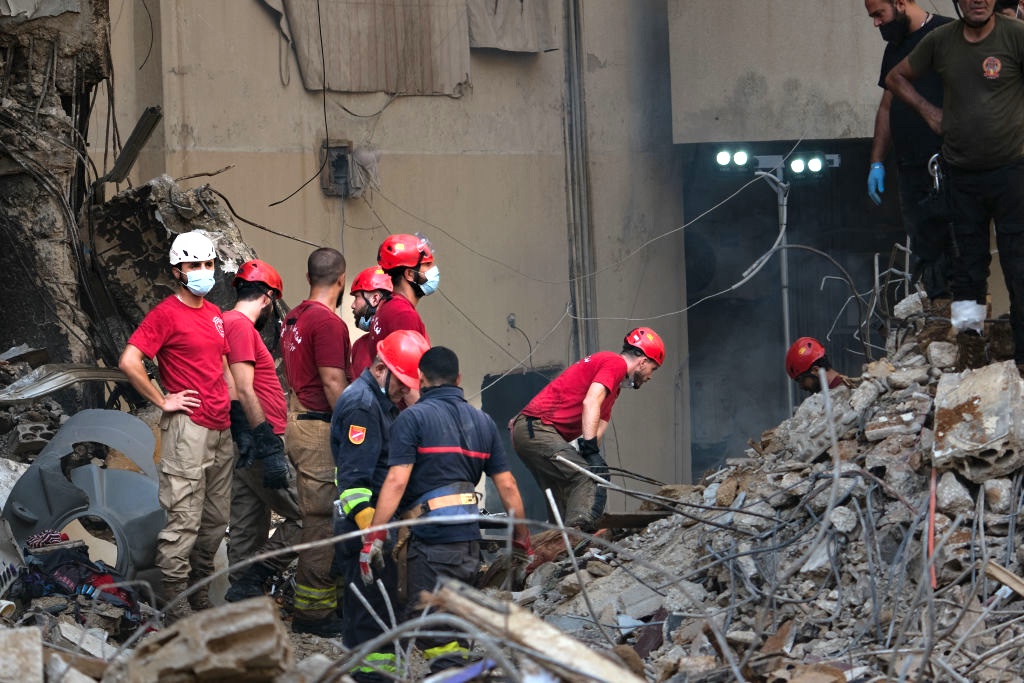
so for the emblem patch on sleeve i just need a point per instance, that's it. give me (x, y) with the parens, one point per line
(356, 434)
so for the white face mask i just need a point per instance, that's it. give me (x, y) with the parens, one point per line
(200, 282)
(433, 277)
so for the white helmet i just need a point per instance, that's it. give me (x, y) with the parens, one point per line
(191, 247)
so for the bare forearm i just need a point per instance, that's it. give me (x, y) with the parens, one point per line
(882, 139)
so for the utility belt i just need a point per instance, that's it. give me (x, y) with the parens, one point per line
(301, 413)
(311, 415)
(451, 499)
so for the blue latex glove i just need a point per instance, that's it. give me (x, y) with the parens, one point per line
(876, 182)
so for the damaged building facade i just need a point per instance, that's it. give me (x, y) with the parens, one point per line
(549, 150)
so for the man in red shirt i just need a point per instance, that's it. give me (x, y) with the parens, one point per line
(315, 350)
(370, 289)
(264, 479)
(409, 262)
(185, 333)
(576, 406)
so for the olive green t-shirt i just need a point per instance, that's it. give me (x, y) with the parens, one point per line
(983, 92)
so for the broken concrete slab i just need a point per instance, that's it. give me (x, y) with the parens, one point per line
(979, 422)
(22, 660)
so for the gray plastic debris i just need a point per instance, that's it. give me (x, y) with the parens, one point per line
(44, 498)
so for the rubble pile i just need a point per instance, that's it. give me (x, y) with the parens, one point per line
(831, 550)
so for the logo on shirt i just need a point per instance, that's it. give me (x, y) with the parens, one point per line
(219, 324)
(356, 434)
(991, 67)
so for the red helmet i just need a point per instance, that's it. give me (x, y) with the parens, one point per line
(260, 271)
(401, 352)
(403, 251)
(804, 353)
(372, 279)
(648, 341)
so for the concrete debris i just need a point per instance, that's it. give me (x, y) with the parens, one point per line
(242, 641)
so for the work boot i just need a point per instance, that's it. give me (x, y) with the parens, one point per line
(251, 584)
(328, 627)
(200, 599)
(174, 606)
(972, 350)
(1000, 339)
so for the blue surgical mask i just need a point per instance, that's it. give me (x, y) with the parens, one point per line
(433, 276)
(364, 321)
(200, 282)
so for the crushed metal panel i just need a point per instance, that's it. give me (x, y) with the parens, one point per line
(33, 9)
(979, 422)
(47, 379)
(512, 25)
(125, 500)
(406, 47)
(11, 559)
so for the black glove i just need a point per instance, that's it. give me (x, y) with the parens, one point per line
(241, 432)
(590, 452)
(269, 449)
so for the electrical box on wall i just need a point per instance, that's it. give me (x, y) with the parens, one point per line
(335, 174)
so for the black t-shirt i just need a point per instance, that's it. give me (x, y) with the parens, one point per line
(914, 141)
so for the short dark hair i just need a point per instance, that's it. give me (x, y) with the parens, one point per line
(633, 350)
(440, 365)
(324, 266)
(250, 291)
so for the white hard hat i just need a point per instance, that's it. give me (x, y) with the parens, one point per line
(191, 247)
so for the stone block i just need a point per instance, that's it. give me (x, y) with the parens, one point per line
(22, 658)
(843, 519)
(942, 354)
(908, 306)
(952, 497)
(907, 377)
(979, 422)
(999, 495)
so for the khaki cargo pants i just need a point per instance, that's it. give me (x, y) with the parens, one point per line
(308, 444)
(575, 493)
(251, 505)
(195, 491)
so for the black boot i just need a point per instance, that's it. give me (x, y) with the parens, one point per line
(251, 584)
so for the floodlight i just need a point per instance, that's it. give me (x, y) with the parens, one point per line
(723, 158)
(740, 158)
(814, 165)
(797, 165)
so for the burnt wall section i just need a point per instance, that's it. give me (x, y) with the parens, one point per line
(49, 68)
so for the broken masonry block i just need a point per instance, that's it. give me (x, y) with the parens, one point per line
(28, 438)
(979, 422)
(240, 641)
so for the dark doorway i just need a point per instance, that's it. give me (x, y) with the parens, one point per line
(738, 383)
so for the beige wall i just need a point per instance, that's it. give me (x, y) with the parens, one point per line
(484, 177)
(769, 70)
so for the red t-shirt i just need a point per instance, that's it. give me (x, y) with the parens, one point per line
(363, 353)
(397, 313)
(560, 403)
(189, 346)
(247, 347)
(313, 337)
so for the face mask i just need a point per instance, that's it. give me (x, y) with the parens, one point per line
(433, 276)
(200, 282)
(896, 30)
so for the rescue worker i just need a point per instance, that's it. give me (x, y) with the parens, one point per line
(409, 262)
(903, 24)
(804, 358)
(315, 350)
(576, 407)
(1010, 8)
(980, 60)
(185, 334)
(439, 448)
(264, 480)
(369, 290)
(360, 429)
